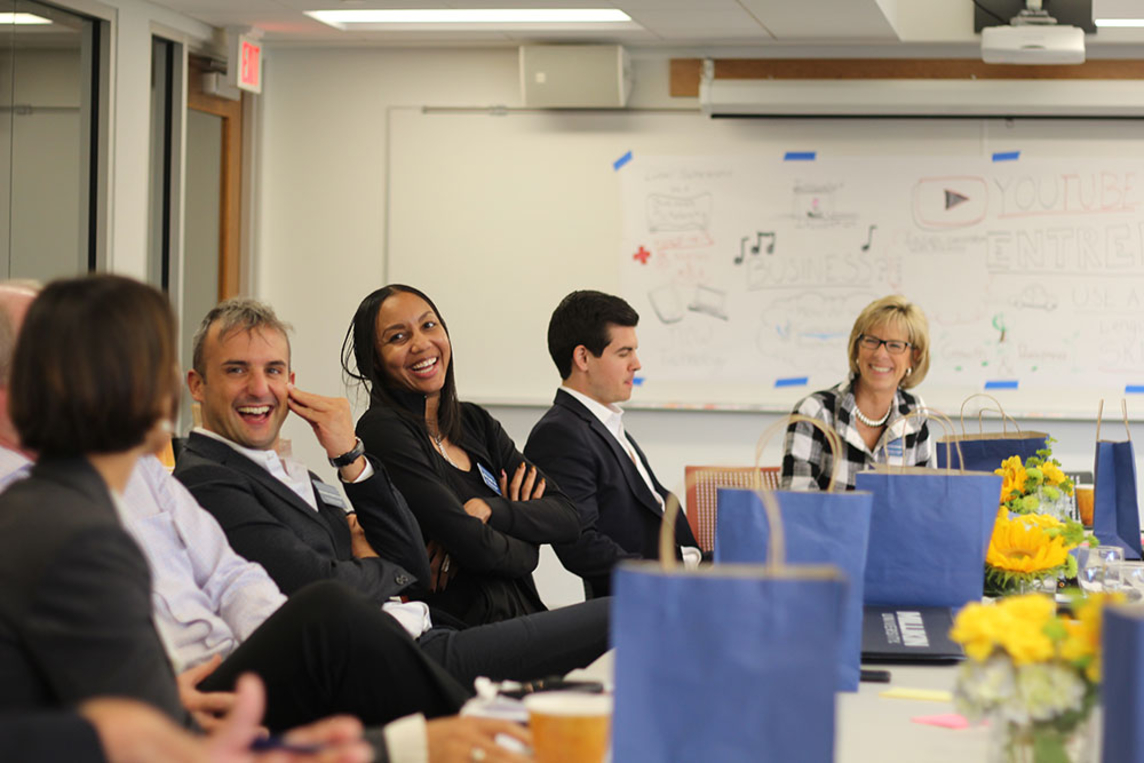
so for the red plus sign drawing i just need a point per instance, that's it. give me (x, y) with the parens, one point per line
(642, 255)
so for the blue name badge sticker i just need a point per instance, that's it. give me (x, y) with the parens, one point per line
(329, 495)
(489, 479)
(894, 449)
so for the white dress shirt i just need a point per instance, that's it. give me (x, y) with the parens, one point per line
(205, 598)
(14, 465)
(414, 615)
(611, 416)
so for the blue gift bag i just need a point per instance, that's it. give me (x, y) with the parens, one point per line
(1115, 516)
(726, 663)
(819, 528)
(929, 531)
(1122, 691)
(984, 451)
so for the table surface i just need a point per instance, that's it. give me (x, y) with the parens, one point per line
(870, 728)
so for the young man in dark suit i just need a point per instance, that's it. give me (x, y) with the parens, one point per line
(581, 442)
(276, 512)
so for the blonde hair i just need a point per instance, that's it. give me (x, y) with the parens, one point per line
(896, 310)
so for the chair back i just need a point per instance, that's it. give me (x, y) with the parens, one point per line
(703, 483)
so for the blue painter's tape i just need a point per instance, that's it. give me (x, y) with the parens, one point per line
(1006, 156)
(622, 161)
(799, 156)
(1001, 384)
(637, 380)
(794, 381)
(1134, 389)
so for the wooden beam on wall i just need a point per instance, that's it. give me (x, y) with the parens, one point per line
(685, 72)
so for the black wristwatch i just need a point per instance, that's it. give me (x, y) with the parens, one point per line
(349, 456)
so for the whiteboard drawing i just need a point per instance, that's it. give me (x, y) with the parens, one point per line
(813, 200)
(941, 203)
(1035, 297)
(1033, 273)
(756, 247)
(667, 303)
(678, 213)
(709, 301)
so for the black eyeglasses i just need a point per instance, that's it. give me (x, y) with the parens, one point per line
(893, 346)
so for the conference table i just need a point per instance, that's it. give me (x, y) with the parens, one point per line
(870, 728)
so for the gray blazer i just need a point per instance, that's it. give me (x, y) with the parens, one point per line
(75, 597)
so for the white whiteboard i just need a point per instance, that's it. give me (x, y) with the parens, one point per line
(497, 217)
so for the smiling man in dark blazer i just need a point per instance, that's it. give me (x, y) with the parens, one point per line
(581, 442)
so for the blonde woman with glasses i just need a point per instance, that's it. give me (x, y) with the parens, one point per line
(889, 354)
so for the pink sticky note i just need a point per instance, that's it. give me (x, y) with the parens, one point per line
(945, 720)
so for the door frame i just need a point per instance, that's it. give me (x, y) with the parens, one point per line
(230, 257)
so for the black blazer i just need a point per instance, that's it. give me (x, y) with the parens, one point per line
(75, 598)
(48, 736)
(619, 516)
(267, 522)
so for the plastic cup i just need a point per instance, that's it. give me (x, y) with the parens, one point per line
(569, 727)
(1084, 495)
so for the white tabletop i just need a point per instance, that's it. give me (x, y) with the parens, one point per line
(873, 729)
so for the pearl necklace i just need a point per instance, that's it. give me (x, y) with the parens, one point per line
(870, 422)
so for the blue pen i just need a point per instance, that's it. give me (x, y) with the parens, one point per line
(266, 744)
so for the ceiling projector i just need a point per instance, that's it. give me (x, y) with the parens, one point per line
(1032, 44)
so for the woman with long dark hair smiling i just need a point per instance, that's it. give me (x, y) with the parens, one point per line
(483, 510)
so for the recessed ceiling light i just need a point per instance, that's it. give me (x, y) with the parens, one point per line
(22, 18)
(469, 18)
(1119, 22)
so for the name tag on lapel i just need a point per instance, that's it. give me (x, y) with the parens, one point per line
(894, 449)
(489, 479)
(329, 495)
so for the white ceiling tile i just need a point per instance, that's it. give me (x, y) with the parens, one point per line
(730, 23)
(630, 37)
(196, 7)
(823, 19)
(677, 5)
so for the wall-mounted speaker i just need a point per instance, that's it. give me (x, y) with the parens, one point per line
(575, 76)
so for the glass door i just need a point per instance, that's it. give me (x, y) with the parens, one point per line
(49, 152)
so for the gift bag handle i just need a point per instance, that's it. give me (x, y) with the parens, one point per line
(1005, 418)
(776, 545)
(832, 438)
(947, 427)
(1123, 412)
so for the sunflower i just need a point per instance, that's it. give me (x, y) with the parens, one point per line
(1053, 474)
(1013, 476)
(1026, 546)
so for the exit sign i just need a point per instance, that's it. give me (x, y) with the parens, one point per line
(249, 64)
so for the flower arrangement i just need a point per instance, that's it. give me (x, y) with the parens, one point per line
(1028, 548)
(1035, 485)
(1033, 672)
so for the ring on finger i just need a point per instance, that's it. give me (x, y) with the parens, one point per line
(477, 754)
(445, 568)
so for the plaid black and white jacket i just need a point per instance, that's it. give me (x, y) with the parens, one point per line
(807, 460)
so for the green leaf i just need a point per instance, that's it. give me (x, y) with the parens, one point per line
(1049, 747)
